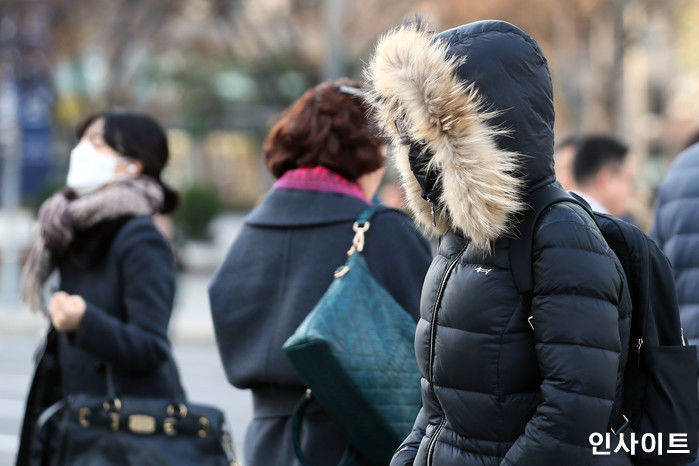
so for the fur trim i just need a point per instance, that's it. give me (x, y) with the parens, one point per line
(412, 79)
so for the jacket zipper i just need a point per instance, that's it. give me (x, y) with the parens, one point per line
(639, 345)
(433, 323)
(433, 440)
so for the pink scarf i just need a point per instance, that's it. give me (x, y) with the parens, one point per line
(319, 179)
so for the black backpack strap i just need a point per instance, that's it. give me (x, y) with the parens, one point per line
(521, 246)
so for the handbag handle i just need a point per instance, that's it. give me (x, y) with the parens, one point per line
(349, 457)
(180, 397)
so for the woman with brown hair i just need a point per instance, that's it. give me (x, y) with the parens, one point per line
(328, 165)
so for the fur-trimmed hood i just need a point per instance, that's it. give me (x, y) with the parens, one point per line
(479, 97)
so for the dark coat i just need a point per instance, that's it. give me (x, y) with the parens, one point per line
(676, 230)
(127, 278)
(495, 391)
(125, 272)
(277, 269)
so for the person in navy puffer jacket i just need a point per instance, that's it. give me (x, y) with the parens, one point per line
(676, 230)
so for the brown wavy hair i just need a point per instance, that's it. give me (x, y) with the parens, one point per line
(325, 127)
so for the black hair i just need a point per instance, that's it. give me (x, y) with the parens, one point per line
(594, 153)
(137, 136)
(573, 141)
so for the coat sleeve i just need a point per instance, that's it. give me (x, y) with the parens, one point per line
(405, 454)
(577, 291)
(147, 274)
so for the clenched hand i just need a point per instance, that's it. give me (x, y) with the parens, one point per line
(66, 311)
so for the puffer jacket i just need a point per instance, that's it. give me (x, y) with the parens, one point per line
(478, 98)
(676, 230)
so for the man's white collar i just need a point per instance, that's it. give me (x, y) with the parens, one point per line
(594, 203)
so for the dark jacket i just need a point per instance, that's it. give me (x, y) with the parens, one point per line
(495, 391)
(676, 230)
(126, 275)
(277, 269)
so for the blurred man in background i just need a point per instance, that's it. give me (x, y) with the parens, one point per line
(603, 174)
(563, 158)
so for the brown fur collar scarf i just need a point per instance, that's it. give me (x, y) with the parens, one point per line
(63, 216)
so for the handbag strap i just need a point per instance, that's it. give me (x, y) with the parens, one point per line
(180, 397)
(349, 457)
(368, 213)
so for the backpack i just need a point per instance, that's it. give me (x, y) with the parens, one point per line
(660, 379)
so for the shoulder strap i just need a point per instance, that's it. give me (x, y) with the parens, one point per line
(521, 246)
(368, 213)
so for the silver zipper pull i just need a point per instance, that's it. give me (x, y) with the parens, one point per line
(684, 342)
(639, 344)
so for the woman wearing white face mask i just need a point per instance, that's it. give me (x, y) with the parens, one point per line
(116, 270)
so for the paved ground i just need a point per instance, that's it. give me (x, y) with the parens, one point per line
(199, 365)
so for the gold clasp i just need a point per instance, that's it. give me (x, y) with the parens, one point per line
(204, 425)
(169, 426)
(341, 271)
(114, 403)
(142, 424)
(114, 417)
(358, 240)
(112, 408)
(180, 410)
(83, 414)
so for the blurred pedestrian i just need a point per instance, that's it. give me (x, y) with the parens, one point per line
(116, 270)
(604, 174)
(564, 158)
(676, 230)
(328, 166)
(461, 106)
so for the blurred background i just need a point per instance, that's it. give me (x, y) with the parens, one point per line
(217, 73)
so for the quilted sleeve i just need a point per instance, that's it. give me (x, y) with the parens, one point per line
(577, 290)
(405, 454)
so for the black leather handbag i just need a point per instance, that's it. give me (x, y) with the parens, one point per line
(83, 429)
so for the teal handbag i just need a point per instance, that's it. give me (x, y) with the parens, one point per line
(355, 352)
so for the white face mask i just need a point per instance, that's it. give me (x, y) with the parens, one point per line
(90, 169)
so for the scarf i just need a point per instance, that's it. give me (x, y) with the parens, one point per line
(64, 214)
(319, 179)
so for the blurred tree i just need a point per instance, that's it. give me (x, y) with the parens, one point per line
(203, 65)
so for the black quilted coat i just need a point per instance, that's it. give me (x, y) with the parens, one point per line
(495, 391)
